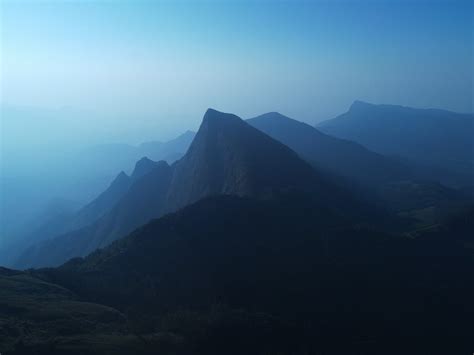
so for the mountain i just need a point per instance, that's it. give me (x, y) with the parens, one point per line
(88, 214)
(122, 207)
(52, 219)
(69, 175)
(226, 157)
(169, 151)
(276, 275)
(104, 202)
(241, 245)
(64, 221)
(110, 158)
(439, 139)
(407, 189)
(338, 156)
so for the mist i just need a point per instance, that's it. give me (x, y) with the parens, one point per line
(76, 75)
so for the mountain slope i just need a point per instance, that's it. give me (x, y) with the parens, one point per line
(408, 189)
(93, 210)
(143, 200)
(228, 156)
(339, 156)
(435, 138)
(33, 312)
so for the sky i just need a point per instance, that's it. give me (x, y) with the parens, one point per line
(135, 70)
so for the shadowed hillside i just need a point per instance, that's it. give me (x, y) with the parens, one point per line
(299, 280)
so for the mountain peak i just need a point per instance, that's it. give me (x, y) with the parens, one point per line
(358, 104)
(120, 179)
(143, 166)
(212, 115)
(275, 116)
(122, 175)
(229, 156)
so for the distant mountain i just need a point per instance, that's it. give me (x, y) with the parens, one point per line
(97, 207)
(79, 177)
(338, 156)
(169, 151)
(104, 202)
(93, 221)
(52, 220)
(227, 157)
(110, 158)
(438, 139)
(406, 188)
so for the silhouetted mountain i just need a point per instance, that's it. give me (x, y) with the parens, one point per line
(227, 156)
(110, 197)
(70, 175)
(110, 158)
(104, 202)
(53, 219)
(317, 287)
(404, 188)
(169, 151)
(143, 199)
(338, 156)
(62, 223)
(262, 252)
(436, 138)
(143, 167)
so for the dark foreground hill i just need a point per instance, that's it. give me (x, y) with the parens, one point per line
(231, 275)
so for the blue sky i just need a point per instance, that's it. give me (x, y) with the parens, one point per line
(168, 61)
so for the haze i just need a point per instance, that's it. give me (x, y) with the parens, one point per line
(79, 73)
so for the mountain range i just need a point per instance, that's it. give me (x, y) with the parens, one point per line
(227, 157)
(441, 141)
(249, 158)
(258, 240)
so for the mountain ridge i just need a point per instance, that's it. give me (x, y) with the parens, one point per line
(227, 156)
(435, 138)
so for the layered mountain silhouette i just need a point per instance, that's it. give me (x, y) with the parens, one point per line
(111, 158)
(338, 156)
(227, 157)
(247, 245)
(97, 207)
(438, 139)
(78, 177)
(402, 187)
